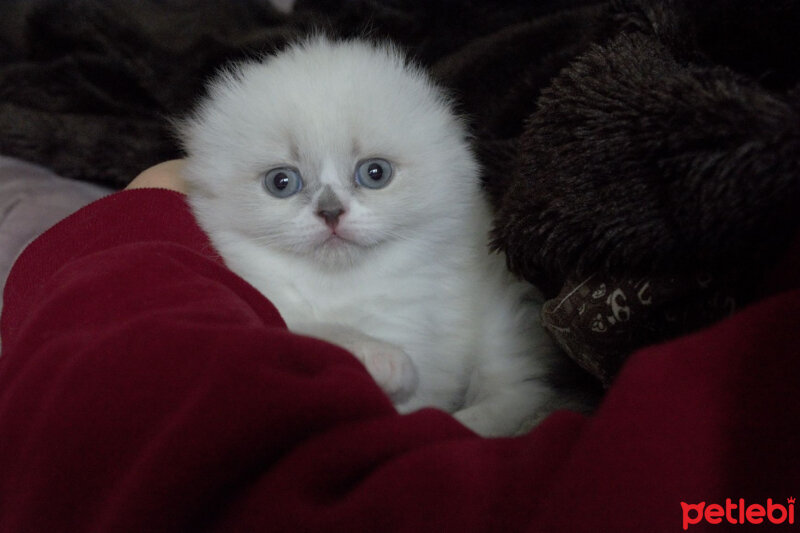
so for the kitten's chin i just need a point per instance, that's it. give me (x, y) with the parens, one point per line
(337, 252)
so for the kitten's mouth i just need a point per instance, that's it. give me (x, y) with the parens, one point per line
(335, 239)
(339, 239)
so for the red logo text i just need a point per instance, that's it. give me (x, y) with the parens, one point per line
(738, 512)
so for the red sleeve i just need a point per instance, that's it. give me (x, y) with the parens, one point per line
(144, 387)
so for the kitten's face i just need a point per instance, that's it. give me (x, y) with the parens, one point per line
(328, 152)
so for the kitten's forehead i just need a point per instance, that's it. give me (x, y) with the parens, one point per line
(345, 124)
(352, 98)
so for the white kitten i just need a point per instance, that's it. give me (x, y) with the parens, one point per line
(336, 179)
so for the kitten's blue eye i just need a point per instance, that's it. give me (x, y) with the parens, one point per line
(374, 173)
(283, 182)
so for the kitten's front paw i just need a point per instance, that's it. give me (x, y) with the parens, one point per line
(390, 366)
(488, 422)
(478, 421)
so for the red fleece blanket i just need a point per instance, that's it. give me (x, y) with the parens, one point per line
(144, 387)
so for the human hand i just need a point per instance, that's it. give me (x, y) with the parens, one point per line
(166, 175)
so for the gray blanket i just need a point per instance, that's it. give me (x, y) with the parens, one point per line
(31, 200)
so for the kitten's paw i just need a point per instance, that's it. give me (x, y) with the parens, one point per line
(478, 421)
(490, 420)
(390, 366)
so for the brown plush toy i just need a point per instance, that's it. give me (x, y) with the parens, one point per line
(658, 178)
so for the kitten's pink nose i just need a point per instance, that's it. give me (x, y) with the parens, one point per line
(331, 216)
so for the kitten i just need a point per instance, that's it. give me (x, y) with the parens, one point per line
(335, 178)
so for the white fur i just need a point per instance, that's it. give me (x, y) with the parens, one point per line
(410, 287)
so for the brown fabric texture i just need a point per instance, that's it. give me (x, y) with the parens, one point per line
(594, 317)
(668, 149)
